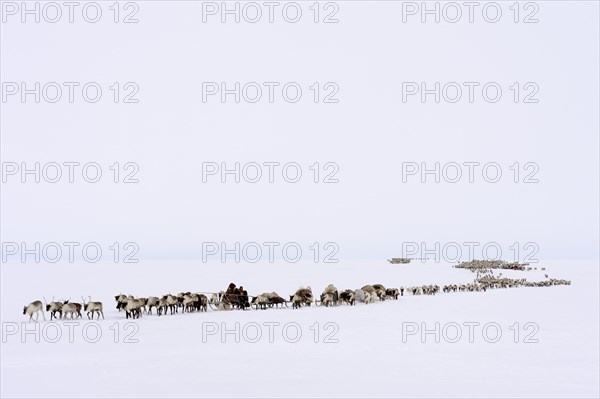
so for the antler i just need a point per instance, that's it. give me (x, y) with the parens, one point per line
(45, 301)
(83, 299)
(89, 298)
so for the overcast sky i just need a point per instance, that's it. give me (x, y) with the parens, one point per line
(366, 135)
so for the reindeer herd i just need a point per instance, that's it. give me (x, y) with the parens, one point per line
(237, 298)
(187, 302)
(64, 309)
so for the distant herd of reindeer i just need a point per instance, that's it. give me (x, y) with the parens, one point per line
(238, 298)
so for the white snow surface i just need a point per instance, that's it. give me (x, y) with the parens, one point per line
(369, 359)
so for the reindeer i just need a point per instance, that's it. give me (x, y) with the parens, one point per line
(368, 288)
(167, 301)
(275, 299)
(152, 302)
(180, 298)
(348, 297)
(327, 299)
(375, 291)
(297, 301)
(53, 308)
(144, 302)
(330, 295)
(72, 308)
(189, 302)
(380, 291)
(303, 296)
(91, 307)
(162, 306)
(171, 302)
(134, 308)
(122, 301)
(261, 301)
(34, 307)
(201, 304)
(359, 295)
(392, 293)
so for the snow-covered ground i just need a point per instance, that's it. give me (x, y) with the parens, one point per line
(367, 350)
